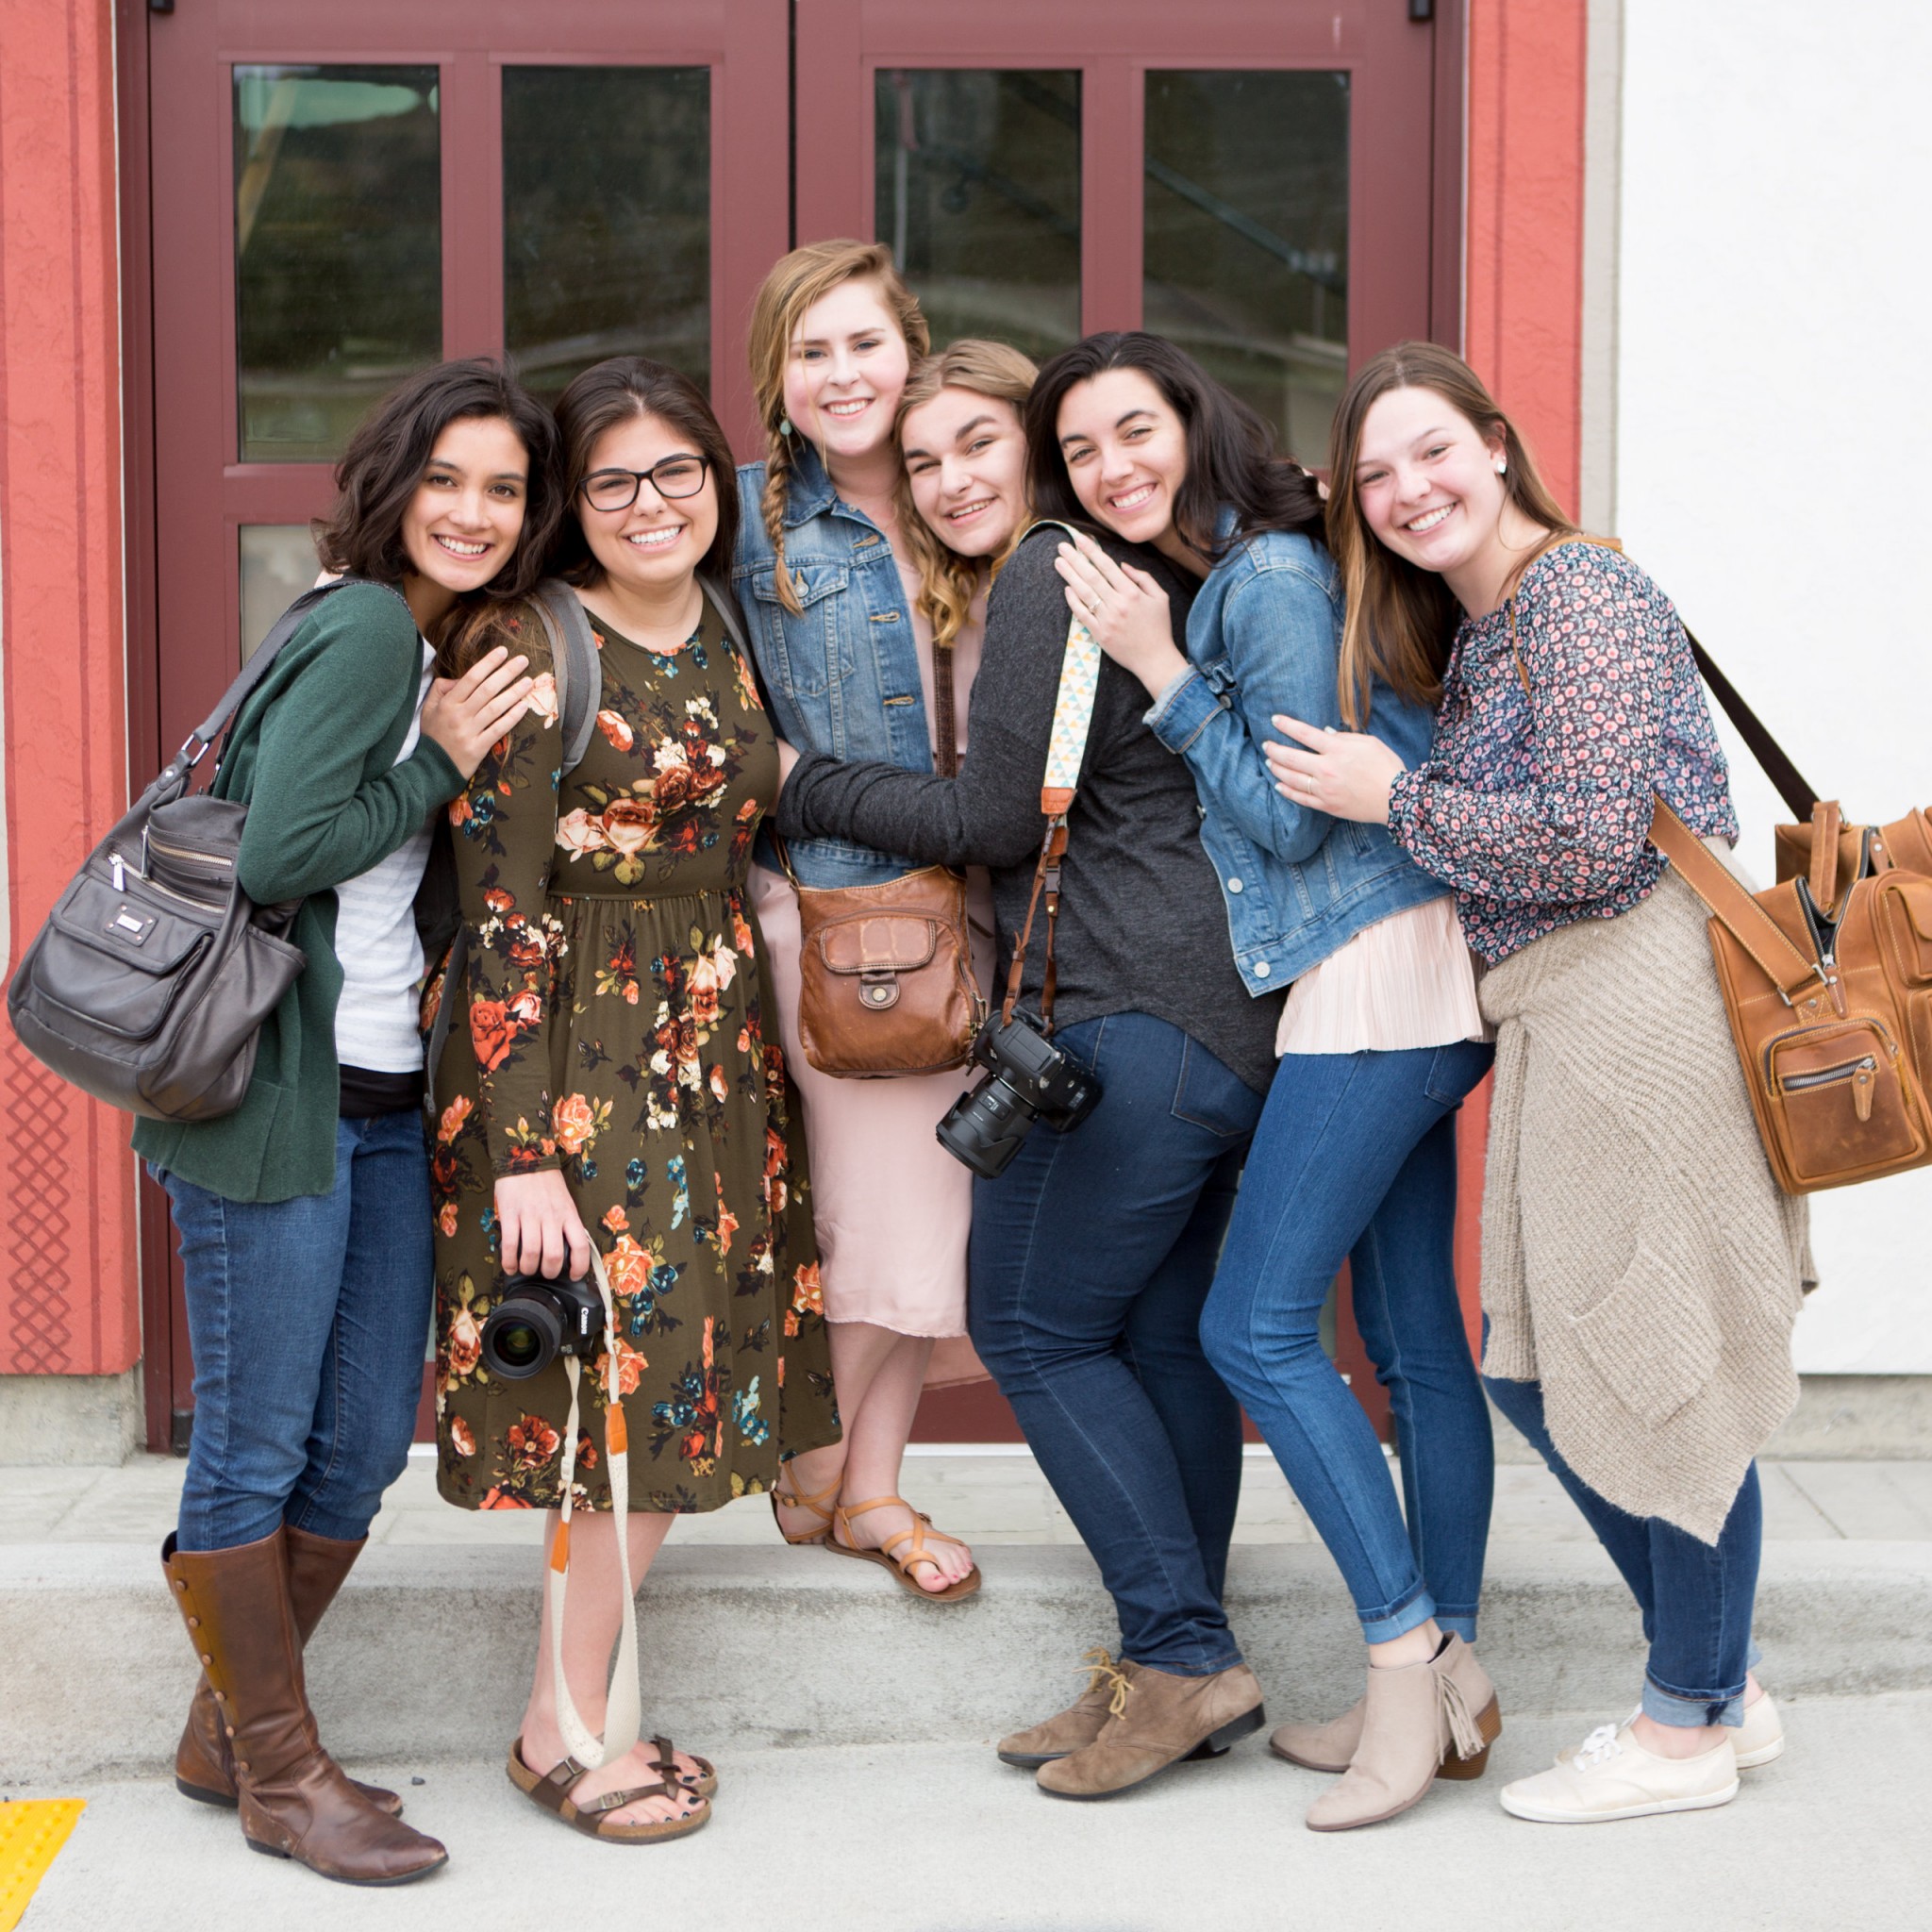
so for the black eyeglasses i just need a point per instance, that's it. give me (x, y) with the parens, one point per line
(670, 476)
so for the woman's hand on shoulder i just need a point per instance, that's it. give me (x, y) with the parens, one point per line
(1124, 609)
(467, 715)
(539, 1228)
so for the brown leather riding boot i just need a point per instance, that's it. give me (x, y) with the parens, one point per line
(204, 1762)
(1158, 1719)
(292, 1799)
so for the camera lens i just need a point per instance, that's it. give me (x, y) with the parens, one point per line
(518, 1345)
(521, 1334)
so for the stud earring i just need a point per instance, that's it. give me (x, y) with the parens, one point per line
(1501, 467)
(785, 425)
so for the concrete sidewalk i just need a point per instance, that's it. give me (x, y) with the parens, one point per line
(944, 1838)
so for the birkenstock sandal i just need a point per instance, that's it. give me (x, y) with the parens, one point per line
(704, 1785)
(551, 1791)
(898, 1565)
(816, 1503)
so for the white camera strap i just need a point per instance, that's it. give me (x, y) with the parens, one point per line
(623, 1714)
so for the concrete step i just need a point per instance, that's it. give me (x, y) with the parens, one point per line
(942, 1838)
(429, 1649)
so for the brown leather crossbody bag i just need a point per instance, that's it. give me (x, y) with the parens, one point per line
(886, 970)
(1826, 977)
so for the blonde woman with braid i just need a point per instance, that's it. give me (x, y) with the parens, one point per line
(844, 621)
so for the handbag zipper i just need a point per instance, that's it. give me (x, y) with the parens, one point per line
(1862, 1074)
(1772, 1081)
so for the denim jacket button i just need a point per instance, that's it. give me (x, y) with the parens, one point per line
(1234, 885)
(1261, 969)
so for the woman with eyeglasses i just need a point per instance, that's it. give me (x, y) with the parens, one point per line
(613, 1077)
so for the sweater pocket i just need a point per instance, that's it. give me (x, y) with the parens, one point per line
(1650, 1340)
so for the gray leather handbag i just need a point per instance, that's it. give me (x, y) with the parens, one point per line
(152, 976)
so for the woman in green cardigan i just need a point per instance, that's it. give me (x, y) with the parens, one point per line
(303, 1216)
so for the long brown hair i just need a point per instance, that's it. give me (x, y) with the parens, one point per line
(1399, 619)
(947, 581)
(797, 280)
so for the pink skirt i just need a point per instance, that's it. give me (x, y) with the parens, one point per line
(892, 1207)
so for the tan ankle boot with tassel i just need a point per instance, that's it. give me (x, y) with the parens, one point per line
(1413, 1717)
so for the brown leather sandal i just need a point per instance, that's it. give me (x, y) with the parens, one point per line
(900, 1566)
(552, 1792)
(815, 1504)
(704, 1785)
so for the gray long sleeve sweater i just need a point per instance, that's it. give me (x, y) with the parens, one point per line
(1141, 925)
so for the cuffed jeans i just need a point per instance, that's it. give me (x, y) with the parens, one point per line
(1354, 1159)
(1696, 1598)
(308, 1320)
(1091, 1258)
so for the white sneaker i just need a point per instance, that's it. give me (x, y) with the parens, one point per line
(1613, 1776)
(1761, 1737)
(1756, 1741)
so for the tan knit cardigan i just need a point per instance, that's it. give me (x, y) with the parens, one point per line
(1639, 1259)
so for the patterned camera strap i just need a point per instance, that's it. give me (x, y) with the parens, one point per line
(1073, 714)
(624, 1716)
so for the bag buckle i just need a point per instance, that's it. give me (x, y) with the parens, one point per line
(878, 989)
(193, 738)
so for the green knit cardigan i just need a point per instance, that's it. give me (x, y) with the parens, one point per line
(313, 757)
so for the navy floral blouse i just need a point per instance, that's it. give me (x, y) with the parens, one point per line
(1535, 805)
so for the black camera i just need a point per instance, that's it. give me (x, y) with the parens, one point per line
(1028, 1079)
(539, 1320)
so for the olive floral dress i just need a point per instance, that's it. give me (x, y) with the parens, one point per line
(611, 1024)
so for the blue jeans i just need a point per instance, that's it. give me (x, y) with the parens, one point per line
(1696, 1598)
(1091, 1258)
(308, 1320)
(1355, 1158)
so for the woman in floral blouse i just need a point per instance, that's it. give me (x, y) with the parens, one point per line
(611, 1077)
(1641, 1269)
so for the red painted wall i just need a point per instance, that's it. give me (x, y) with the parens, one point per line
(1524, 315)
(67, 1294)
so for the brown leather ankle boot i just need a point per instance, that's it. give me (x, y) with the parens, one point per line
(1077, 1726)
(1156, 1719)
(292, 1799)
(1415, 1717)
(204, 1762)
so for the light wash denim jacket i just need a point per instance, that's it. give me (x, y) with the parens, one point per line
(842, 674)
(1265, 636)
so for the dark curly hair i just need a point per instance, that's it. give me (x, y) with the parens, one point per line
(1231, 455)
(384, 462)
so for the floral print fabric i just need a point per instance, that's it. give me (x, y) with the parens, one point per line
(612, 1024)
(1535, 804)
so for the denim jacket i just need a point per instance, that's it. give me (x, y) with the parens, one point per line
(1264, 636)
(842, 674)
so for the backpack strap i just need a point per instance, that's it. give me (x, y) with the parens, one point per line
(573, 660)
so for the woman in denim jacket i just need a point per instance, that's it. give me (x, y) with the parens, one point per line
(846, 660)
(1380, 1039)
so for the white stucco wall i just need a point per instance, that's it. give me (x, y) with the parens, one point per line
(1773, 455)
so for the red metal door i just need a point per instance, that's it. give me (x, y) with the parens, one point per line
(341, 192)
(1274, 183)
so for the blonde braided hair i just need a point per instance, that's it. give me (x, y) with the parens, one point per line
(947, 581)
(796, 281)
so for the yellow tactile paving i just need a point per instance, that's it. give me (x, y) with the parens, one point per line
(31, 1831)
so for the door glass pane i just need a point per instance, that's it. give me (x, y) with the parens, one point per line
(977, 186)
(277, 565)
(1247, 238)
(338, 248)
(607, 219)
